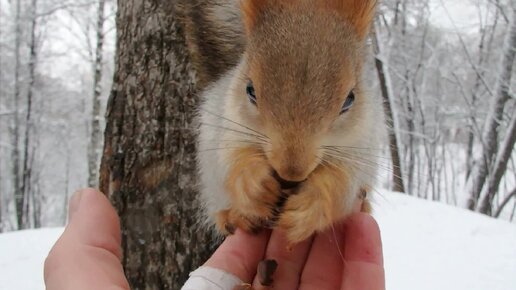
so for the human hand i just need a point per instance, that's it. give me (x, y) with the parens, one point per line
(87, 255)
(347, 257)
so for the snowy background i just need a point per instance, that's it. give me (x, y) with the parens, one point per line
(444, 59)
(427, 246)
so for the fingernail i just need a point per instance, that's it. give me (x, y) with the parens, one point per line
(74, 204)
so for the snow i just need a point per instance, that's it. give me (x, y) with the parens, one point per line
(435, 246)
(21, 258)
(426, 246)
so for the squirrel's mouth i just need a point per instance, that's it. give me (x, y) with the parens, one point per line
(286, 184)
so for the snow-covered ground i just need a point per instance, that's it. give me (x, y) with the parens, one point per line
(432, 246)
(21, 258)
(426, 245)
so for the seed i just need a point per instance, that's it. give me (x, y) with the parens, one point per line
(266, 270)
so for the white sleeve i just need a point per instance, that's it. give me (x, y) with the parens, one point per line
(207, 278)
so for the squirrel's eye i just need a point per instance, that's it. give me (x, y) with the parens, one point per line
(251, 93)
(349, 103)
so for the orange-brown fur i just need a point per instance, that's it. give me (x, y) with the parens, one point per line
(295, 125)
(359, 12)
(253, 191)
(313, 208)
(251, 11)
(303, 59)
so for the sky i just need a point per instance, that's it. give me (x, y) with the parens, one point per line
(457, 14)
(462, 12)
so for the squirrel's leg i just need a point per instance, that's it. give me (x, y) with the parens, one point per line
(317, 204)
(253, 192)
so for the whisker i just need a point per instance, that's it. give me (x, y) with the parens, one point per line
(361, 148)
(381, 164)
(219, 149)
(386, 166)
(358, 168)
(354, 152)
(354, 162)
(236, 123)
(236, 141)
(234, 130)
(365, 162)
(337, 244)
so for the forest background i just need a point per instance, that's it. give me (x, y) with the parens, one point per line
(444, 67)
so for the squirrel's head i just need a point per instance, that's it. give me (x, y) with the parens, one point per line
(300, 81)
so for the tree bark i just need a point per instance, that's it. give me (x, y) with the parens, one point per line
(392, 119)
(1, 207)
(95, 137)
(480, 172)
(504, 203)
(15, 131)
(500, 167)
(148, 167)
(27, 142)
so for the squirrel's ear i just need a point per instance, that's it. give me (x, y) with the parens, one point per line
(251, 11)
(360, 13)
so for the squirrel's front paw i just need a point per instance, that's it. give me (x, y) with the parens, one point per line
(254, 194)
(305, 213)
(227, 221)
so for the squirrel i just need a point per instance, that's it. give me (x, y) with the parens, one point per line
(287, 136)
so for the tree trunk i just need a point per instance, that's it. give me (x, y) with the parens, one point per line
(474, 98)
(1, 207)
(95, 137)
(148, 167)
(15, 131)
(64, 211)
(392, 118)
(481, 170)
(500, 167)
(504, 203)
(27, 156)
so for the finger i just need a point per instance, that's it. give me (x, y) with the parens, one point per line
(240, 254)
(95, 214)
(290, 261)
(87, 255)
(363, 268)
(324, 266)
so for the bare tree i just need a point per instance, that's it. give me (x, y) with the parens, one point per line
(391, 116)
(1, 206)
(148, 167)
(505, 202)
(15, 129)
(499, 169)
(27, 145)
(96, 137)
(494, 120)
(485, 50)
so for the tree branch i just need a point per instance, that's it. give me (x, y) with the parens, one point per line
(504, 203)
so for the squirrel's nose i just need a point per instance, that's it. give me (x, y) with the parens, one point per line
(290, 174)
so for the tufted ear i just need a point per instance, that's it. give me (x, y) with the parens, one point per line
(360, 13)
(252, 10)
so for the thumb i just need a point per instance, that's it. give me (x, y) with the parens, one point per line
(87, 255)
(94, 222)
